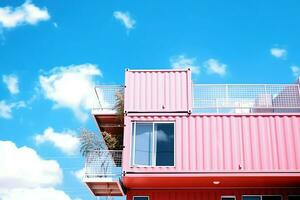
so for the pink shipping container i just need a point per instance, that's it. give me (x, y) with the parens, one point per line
(227, 143)
(158, 91)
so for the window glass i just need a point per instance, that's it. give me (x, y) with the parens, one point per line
(251, 197)
(153, 144)
(294, 197)
(275, 197)
(164, 144)
(143, 144)
(140, 198)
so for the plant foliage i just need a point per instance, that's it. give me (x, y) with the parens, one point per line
(89, 141)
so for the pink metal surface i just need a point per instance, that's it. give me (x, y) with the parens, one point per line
(158, 91)
(227, 143)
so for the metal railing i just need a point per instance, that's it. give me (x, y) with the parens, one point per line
(246, 98)
(224, 98)
(103, 164)
(107, 96)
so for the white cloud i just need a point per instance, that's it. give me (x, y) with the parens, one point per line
(278, 52)
(23, 168)
(296, 70)
(79, 174)
(213, 66)
(7, 108)
(125, 19)
(27, 13)
(35, 194)
(24, 175)
(11, 82)
(71, 87)
(183, 62)
(66, 141)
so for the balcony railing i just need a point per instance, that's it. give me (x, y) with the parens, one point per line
(224, 98)
(107, 96)
(103, 164)
(246, 98)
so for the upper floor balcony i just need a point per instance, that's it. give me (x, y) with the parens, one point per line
(108, 96)
(109, 112)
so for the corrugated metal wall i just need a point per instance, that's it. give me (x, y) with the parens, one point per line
(224, 143)
(158, 91)
(210, 194)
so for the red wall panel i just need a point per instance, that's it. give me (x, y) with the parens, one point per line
(211, 194)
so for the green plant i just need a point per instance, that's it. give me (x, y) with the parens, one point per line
(113, 142)
(89, 141)
(119, 106)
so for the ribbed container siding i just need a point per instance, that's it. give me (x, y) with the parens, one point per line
(227, 143)
(158, 91)
(210, 194)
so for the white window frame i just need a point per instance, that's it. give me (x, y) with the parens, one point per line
(141, 196)
(228, 196)
(153, 159)
(261, 195)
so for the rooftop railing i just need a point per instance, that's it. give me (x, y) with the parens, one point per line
(107, 96)
(103, 164)
(246, 98)
(224, 98)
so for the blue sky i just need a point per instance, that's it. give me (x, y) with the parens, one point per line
(53, 52)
